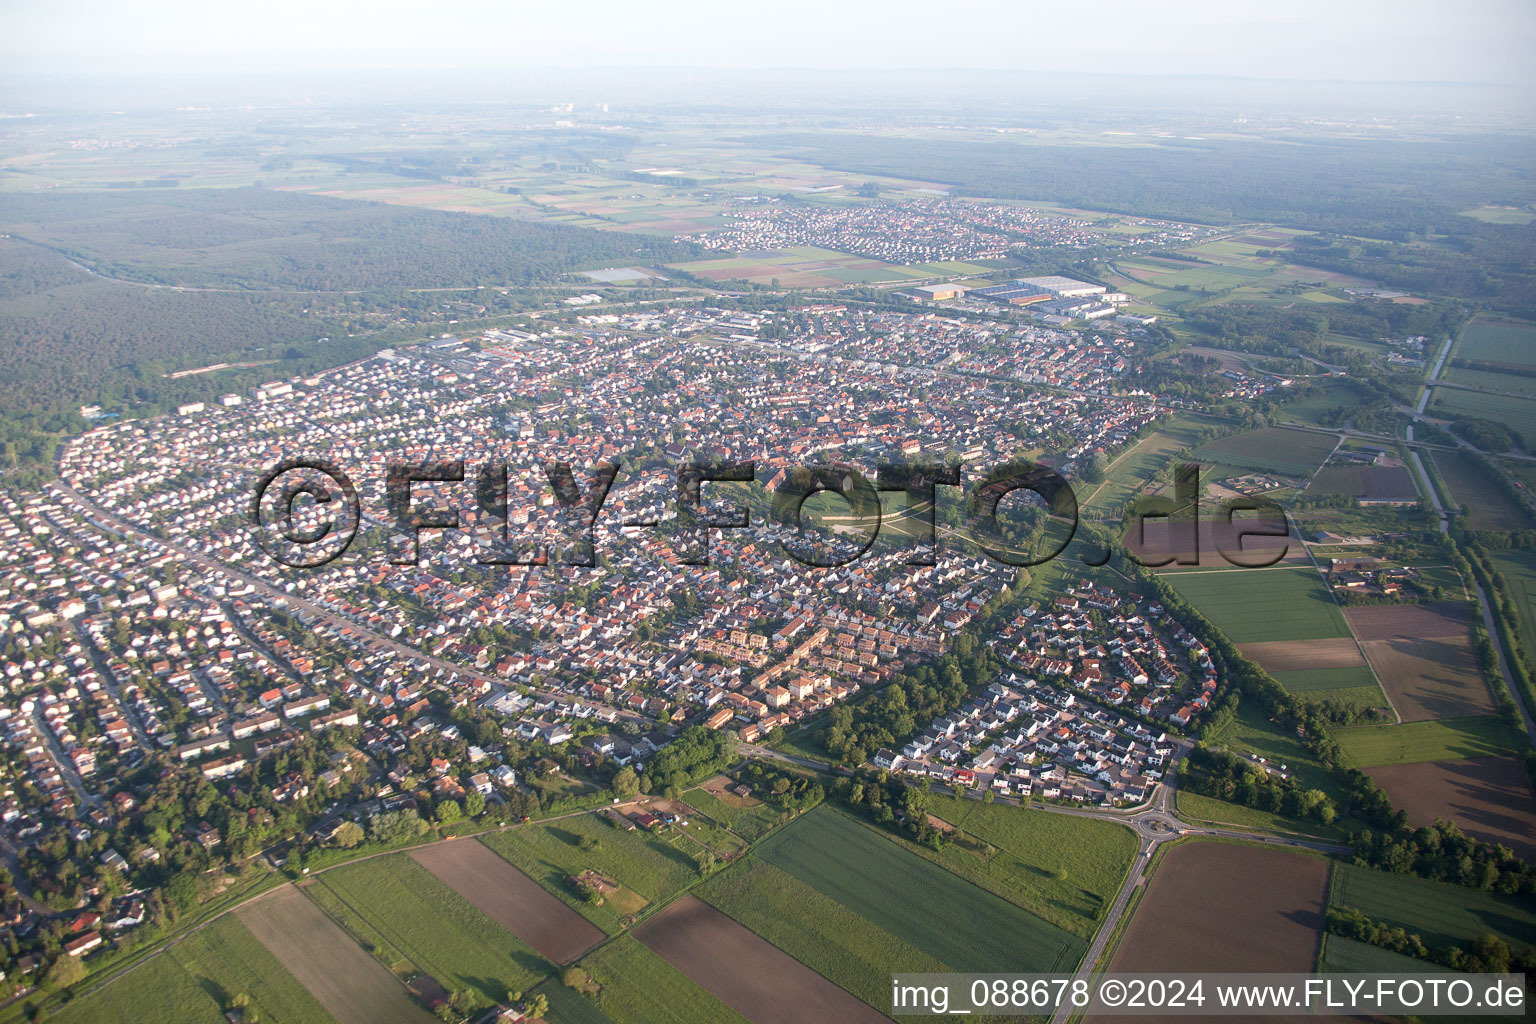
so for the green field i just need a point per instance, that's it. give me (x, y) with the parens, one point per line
(193, 981)
(1491, 380)
(639, 987)
(1486, 504)
(1132, 469)
(549, 852)
(1207, 809)
(162, 983)
(1331, 394)
(1434, 740)
(1272, 449)
(399, 901)
(1250, 732)
(936, 911)
(1063, 868)
(751, 823)
(1264, 604)
(567, 1006)
(1442, 913)
(1499, 341)
(1329, 679)
(816, 929)
(1349, 956)
(1518, 414)
(1519, 571)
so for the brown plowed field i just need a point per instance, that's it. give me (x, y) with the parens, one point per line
(1489, 797)
(351, 985)
(748, 974)
(510, 898)
(1304, 655)
(1224, 907)
(1422, 653)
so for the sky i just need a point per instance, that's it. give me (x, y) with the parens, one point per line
(1488, 41)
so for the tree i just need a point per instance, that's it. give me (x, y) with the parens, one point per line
(573, 977)
(65, 971)
(348, 834)
(536, 1006)
(1093, 469)
(625, 784)
(448, 811)
(474, 803)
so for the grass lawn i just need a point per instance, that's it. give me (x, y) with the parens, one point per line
(1484, 501)
(1064, 868)
(933, 909)
(1434, 740)
(225, 958)
(549, 852)
(1264, 604)
(1519, 414)
(430, 925)
(1331, 394)
(815, 929)
(159, 989)
(639, 987)
(1442, 913)
(1200, 808)
(751, 823)
(1250, 732)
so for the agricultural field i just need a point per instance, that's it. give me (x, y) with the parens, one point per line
(1129, 472)
(1270, 543)
(1423, 655)
(353, 986)
(1518, 414)
(1489, 797)
(194, 979)
(1486, 504)
(429, 925)
(815, 929)
(809, 266)
(1370, 746)
(1206, 889)
(1512, 342)
(1442, 913)
(163, 983)
(1519, 571)
(1367, 483)
(937, 911)
(510, 898)
(1349, 956)
(1500, 214)
(567, 1006)
(1257, 605)
(1271, 449)
(1065, 869)
(551, 852)
(745, 972)
(636, 986)
(1490, 380)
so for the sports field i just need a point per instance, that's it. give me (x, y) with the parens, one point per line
(1440, 912)
(1255, 605)
(933, 909)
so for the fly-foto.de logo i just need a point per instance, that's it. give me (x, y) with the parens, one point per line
(312, 533)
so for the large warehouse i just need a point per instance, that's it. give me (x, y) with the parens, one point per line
(1062, 287)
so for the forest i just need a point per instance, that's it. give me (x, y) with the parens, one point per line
(1399, 190)
(252, 239)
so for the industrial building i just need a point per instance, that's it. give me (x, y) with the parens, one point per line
(1062, 287)
(936, 292)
